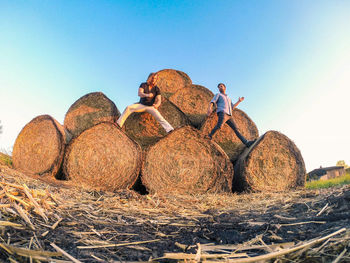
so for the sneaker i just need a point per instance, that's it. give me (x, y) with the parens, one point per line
(250, 143)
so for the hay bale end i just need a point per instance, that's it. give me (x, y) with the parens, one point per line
(273, 163)
(185, 162)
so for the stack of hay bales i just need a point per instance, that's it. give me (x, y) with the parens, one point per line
(102, 156)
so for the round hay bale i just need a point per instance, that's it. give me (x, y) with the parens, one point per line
(194, 102)
(103, 158)
(185, 162)
(144, 128)
(170, 80)
(5, 159)
(227, 138)
(39, 147)
(89, 110)
(273, 163)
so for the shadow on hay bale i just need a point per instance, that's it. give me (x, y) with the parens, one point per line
(227, 138)
(194, 102)
(89, 110)
(144, 128)
(103, 158)
(171, 80)
(39, 147)
(273, 163)
(185, 162)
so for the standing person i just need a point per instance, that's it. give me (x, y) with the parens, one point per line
(224, 108)
(150, 100)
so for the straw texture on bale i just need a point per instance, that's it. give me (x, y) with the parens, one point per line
(273, 163)
(170, 80)
(89, 110)
(227, 138)
(103, 158)
(145, 129)
(185, 162)
(39, 147)
(194, 102)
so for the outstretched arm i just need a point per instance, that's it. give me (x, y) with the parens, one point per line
(141, 94)
(240, 99)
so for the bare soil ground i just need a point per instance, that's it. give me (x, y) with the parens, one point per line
(54, 221)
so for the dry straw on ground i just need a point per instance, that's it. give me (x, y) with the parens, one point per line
(274, 163)
(227, 138)
(103, 157)
(89, 110)
(144, 128)
(39, 147)
(185, 162)
(170, 80)
(194, 102)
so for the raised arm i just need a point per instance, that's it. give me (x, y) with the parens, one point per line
(240, 99)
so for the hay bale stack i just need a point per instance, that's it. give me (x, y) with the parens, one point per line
(170, 80)
(89, 110)
(144, 128)
(227, 138)
(103, 158)
(193, 101)
(185, 162)
(273, 163)
(39, 147)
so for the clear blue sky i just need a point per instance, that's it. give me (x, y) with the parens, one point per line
(289, 59)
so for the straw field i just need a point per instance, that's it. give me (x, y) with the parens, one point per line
(170, 80)
(89, 110)
(43, 222)
(184, 162)
(40, 146)
(144, 128)
(227, 138)
(274, 163)
(194, 102)
(103, 157)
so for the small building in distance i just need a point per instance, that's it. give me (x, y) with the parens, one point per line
(325, 173)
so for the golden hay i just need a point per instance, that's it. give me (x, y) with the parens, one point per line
(39, 147)
(194, 102)
(103, 158)
(185, 162)
(144, 128)
(5, 159)
(273, 163)
(227, 138)
(170, 80)
(89, 110)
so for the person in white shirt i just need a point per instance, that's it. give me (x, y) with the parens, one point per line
(224, 108)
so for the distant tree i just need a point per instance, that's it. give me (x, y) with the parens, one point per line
(0, 128)
(342, 163)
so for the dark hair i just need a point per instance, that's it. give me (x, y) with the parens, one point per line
(222, 84)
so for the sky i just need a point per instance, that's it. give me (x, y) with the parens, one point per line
(290, 60)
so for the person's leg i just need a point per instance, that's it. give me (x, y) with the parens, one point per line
(166, 125)
(221, 117)
(233, 126)
(136, 107)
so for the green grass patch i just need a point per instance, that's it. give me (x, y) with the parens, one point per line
(5, 159)
(342, 180)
